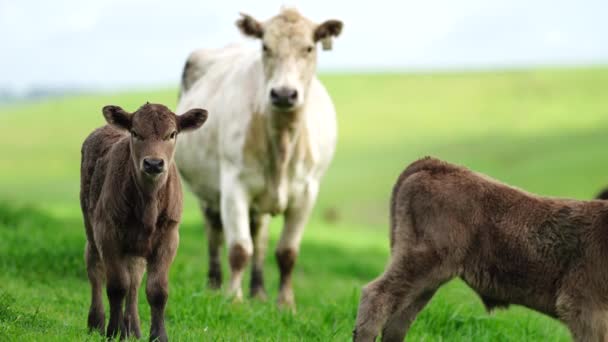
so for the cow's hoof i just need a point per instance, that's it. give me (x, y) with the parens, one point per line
(214, 284)
(286, 302)
(235, 296)
(214, 279)
(259, 294)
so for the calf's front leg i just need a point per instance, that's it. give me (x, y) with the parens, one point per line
(136, 267)
(117, 276)
(157, 286)
(95, 273)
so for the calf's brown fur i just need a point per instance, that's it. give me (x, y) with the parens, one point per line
(510, 246)
(131, 200)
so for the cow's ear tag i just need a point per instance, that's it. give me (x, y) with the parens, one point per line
(326, 42)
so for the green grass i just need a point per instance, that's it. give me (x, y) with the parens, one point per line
(542, 130)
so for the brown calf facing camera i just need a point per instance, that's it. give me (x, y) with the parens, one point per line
(131, 200)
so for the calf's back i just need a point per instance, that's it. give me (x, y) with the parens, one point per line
(507, 244)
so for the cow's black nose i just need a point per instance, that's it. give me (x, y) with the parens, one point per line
(153, 166)
(283, 97)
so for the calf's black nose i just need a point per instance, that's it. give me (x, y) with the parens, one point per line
(283, 97)
(153, 165)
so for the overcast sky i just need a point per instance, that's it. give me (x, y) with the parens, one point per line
(133, 43)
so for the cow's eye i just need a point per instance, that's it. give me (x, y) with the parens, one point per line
(265, 48)
(135, 135)
(309, 49)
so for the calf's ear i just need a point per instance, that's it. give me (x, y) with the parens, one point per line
(249, 26)
(192, 119)
(117, 117)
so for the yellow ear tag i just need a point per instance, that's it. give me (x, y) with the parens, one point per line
(326, 42)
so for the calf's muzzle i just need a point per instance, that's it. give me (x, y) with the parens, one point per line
(153, 166)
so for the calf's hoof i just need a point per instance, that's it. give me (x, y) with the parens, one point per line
(158, 336)
(132, 327)
(120, 332)
(360, 336)
(96, 321)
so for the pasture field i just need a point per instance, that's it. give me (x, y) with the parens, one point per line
(541, 130)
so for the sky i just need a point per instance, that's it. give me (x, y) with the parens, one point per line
(135, 43)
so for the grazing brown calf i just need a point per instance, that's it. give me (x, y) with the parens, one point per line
(131, 200)
(510, 246)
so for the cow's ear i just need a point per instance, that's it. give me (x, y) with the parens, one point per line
(249, 26)
(117, 117)
(192, 119)
(326, 31)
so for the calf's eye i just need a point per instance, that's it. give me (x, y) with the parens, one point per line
(171, 136)
(134, 135)
(309, 49)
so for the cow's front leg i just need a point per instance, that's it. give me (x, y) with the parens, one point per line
(215, 239)
(296, 217)
(259, 233)
(235, 217)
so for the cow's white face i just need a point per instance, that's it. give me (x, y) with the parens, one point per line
(289, 54)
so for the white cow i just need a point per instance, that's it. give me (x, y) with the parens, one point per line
(270, 136)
